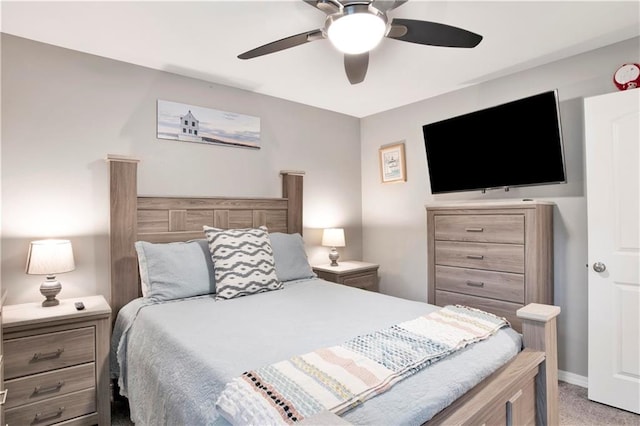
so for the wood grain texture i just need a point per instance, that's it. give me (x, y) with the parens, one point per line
(292, 191)
(83, 365)
(472, 240)
(44, 352)
(484, 256)
(54, 410)
(542, 336)
(497, 307)
(366, 279)
(431, 255)
(486, 403)
(177, 220)
(352, 273)
(103, 345)
(539, 255)
(211, 203)
(494, 285)
(536, 319)
(123, 230)
(503, 228)
(171, 219)
(181, 225)
(36, 387)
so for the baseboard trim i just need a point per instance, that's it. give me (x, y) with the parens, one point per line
(573, 379)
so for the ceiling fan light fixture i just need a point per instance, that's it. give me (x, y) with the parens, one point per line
(356, 32)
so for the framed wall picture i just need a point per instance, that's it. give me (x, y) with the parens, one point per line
(191, 123)
(392, 163)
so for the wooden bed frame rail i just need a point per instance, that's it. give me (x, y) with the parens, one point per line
(524, 391)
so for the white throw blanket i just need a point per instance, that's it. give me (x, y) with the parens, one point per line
(341, 377)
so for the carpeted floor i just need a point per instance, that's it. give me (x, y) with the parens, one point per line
(575, 410)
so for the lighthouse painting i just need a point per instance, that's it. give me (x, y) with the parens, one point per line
(190, 123)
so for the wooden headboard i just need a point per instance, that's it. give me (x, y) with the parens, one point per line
(169, 219)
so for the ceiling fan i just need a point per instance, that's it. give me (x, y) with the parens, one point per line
(355, 27)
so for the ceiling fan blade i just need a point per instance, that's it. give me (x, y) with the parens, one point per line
(386, 5)
(327, 6)
(356, 67)
(282, 44)
(433, 34)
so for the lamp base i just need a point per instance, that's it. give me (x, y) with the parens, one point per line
(334, 256)
(49, 289)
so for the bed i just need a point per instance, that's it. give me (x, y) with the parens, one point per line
(154, 342)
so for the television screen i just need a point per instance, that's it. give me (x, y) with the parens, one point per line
(514, 144)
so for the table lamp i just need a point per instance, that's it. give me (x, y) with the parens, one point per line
(333, 237)
(50, 257)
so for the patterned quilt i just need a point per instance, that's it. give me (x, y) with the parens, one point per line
(341, 377)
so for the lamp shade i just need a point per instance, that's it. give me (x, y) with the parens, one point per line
(50, 257)
(333, 237)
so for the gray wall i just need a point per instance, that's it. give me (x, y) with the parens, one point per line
(64, 111)
(394, 218)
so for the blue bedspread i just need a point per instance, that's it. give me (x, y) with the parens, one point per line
(177, 356)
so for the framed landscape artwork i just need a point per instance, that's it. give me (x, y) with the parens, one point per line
(392, 163)
(190, 123)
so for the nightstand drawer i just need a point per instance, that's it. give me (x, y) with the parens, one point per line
(53, 410)
(366, 281)
(495, 285)
(495, 257)
(37, 387)
(35, 354)
(480, 228)
(352, 273)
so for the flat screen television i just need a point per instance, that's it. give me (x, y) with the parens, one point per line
(518, 143)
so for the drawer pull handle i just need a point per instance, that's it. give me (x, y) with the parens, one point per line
(475, 256)
(38, 356)
(4, 396)
(52, 388)
(46, 416)
(474, 229)
(475, 284)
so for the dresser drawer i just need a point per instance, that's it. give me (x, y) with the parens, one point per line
(28, 389)
(495, 285)
(495, 257)
(53, 410)
(496, 307)
(44, 352)
(368, 281)
(480, 228)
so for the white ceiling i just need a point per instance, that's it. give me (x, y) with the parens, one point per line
(202, 39)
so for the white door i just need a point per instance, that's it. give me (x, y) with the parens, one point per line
(612, 134)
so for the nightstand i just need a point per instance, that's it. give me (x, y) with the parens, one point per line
(56, 362)
(352, 273)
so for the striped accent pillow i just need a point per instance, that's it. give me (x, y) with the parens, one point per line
(242, 260)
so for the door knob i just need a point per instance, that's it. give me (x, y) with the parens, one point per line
(599, 267)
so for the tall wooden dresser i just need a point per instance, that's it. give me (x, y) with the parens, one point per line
(494, 256)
